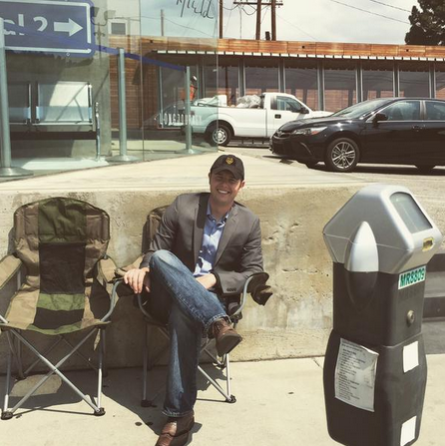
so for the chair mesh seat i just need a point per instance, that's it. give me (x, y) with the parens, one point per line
(59, 241)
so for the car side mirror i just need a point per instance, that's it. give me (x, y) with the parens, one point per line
(303, 110)
(380, 117)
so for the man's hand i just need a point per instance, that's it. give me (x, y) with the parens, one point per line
(207, 281)
(137, 279)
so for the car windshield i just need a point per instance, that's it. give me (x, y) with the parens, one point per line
(361, 109)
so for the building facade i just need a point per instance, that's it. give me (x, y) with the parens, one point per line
(326, 76)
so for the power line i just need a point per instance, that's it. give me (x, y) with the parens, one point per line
(295, 26)
(390, 6)
(177, 24)
(245, 12)
(369, 12)
(230, 9)
(230, 16)
(264, 15)
(273, 4)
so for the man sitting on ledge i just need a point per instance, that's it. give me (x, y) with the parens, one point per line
(205, 249)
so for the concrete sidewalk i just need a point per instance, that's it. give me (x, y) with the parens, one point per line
(279, 403)
(187, 173)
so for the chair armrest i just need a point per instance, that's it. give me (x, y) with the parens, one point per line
(9, 267)
(106, 276)
(255, 286)
(125, 290)
(121, 271)
(149, 319)
(258, 288)
(119, 281)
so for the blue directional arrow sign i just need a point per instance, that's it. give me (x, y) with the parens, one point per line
(56, 27)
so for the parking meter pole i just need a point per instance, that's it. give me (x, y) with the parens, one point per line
(122, 157)
(6, 170)
(375, 367)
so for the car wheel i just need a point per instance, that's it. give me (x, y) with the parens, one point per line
(426, 169)
(342, 155)
(220, 135)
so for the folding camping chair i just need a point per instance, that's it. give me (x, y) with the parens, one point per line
(62, 244)
(255, 285)
(260, 292)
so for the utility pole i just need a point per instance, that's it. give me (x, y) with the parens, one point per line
(221, 16)
(259, 3)
(274, 19)
(258, 20)
(162, 22)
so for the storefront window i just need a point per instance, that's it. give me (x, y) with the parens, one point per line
(340, 85)
(414, 80)
(377, 80)
(261, 75)
(170, 102)
(440, 81)
(65, 87)
(223, 79)
(301, 81)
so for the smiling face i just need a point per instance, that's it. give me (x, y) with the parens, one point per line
(224, 188)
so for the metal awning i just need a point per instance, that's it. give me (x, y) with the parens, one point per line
(298, 55)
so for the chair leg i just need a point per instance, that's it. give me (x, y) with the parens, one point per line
(45, 353)
(227, 362)
(7, 414)
(104, 351)
(16, 354)
(19, 360)
(144, 401)
(219, 363)
(222, 363)
(229, 398)
(54, 369)
(148, 363)
(101, 410)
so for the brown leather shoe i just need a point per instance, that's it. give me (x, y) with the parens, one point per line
(176, 431)
(226, 337)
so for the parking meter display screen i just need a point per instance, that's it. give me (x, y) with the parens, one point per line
(410, 213)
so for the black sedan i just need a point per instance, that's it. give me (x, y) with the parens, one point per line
(379, 131)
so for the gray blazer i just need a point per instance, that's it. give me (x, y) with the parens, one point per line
(239, 252)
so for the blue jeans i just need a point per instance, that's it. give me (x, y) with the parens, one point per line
(189, 309)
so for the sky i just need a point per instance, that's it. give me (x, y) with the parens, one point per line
(353, 21)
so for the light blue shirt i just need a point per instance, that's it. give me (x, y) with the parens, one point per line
(212, 235)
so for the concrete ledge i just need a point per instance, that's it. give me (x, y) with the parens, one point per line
(296, 320)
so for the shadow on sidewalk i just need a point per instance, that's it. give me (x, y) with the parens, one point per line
(122, 389)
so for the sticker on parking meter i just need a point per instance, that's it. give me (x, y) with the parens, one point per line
(412, 277)
(408, 433)
(410, 356)
(355, 375)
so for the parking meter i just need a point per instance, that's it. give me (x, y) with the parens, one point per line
(375, 366)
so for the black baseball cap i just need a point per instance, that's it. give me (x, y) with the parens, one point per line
(231, 163)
